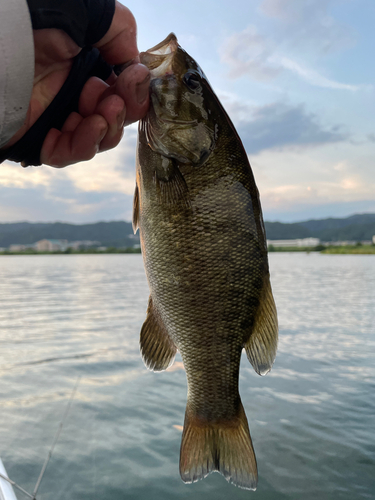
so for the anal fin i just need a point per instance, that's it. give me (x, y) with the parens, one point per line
(223, 447)
(262, 345)
(157, 348)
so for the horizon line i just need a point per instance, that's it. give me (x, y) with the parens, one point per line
(130, 222)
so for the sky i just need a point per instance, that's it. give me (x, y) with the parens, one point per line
(297, 77)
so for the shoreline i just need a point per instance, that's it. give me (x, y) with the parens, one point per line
(70, 251)
(330, 250)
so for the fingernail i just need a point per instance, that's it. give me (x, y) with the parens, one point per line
(142, 89)
(121, 119)
(102, 135)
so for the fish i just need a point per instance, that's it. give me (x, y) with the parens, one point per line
(203, 241)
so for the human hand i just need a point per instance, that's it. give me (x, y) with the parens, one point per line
(104, 107)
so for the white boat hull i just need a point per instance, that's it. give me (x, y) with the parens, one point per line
(6, 490)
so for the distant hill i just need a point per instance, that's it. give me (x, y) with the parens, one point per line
(116, 233)
(120, 233)
(281, 231)
(354, 228)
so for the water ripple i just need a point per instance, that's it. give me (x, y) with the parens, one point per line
(311, 418)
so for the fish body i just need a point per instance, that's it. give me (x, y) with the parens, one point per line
(204, 248)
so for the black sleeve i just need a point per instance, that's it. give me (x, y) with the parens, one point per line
(85, 21)
(27, 150)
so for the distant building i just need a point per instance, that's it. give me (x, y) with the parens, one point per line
(76, 245)
(17, 248)
(301, 242)
(51, 245)
(373, 240)
(349, 243)
(340, 243)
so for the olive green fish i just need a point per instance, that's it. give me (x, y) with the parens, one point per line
(204, 248)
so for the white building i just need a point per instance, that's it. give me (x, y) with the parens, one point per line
(17, 248)
(373, 240)
(301, 242)
(51, 245)
(76, 245)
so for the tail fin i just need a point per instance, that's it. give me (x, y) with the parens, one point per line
(225, 448)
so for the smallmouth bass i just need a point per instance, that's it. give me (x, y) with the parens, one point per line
(205, 254)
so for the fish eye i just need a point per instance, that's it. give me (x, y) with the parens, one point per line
(191, 80)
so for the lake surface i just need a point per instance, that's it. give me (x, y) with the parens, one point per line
(312, 418)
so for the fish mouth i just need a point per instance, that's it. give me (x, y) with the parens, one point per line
(159, 59)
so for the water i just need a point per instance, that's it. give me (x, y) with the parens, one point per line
(312, 418)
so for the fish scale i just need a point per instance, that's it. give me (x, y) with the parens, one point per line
(204, 249)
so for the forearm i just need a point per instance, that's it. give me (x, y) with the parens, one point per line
(16, 66)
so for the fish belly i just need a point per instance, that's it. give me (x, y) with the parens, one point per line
(205, 267)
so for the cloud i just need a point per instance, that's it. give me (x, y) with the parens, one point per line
(279, 125)
(305, 211)
(309, 23)
(238, 109)
(99, 189)
(313, 77)
(14, 176)
(323, 181)
(248, 53)
(111, 171)
(62, 202)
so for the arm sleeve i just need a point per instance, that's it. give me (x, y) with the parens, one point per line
(85, 21)
(16, 66)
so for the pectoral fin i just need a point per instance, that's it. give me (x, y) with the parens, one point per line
(136, 209)
(170, 184)
(262, 344)
(157, 348)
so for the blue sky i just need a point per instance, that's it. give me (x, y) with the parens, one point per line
(297, 78)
